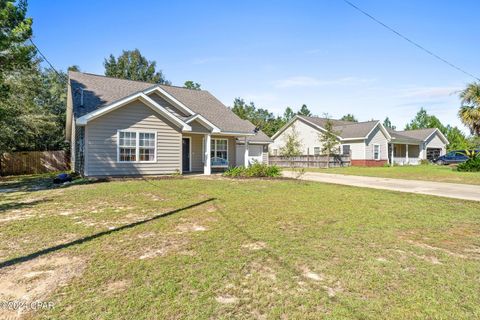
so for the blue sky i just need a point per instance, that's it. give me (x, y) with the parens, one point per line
(281, 53)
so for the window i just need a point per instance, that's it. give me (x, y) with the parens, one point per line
(376, 152)
(275, 152)
(136, 146)
(346, 149)
(147, 146)
(219, 149)
(316, 151)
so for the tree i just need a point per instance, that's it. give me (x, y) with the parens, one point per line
(423, 120)
(293, 145)
(288, 114)
(328, 140)
(469, 112)
(133, 66)
(261, 118)
(304, 111)
(457, 140)
(191, 85)
(74, 68)
(15, 30)
(349, 117)
(388, 124)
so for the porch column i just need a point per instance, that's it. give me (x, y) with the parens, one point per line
(392, 154)
(246, 152)
(207, 165)
(406, 154)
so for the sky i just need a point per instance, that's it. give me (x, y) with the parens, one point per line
(281, 53)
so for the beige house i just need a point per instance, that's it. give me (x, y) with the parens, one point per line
(368, 143)
(120, 127)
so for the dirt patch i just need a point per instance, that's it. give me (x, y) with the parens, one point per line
(190, 227)
(33, 281)
(163, 248)
(116, 287)
(254, 246)
(226, 299)
(307, 273)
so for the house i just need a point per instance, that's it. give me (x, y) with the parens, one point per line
(121, 127)
(369, 143)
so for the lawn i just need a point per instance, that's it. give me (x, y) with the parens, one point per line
(421, 172)
(220, 249)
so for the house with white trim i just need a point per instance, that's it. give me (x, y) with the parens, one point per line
(121, 127)
(369, 143)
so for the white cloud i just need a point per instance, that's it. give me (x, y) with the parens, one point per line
(430, 92)
(305, 81)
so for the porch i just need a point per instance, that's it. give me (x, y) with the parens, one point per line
(404, 154)
(207, 153)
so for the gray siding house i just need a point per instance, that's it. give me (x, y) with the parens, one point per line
(120, 127)
(369, 143)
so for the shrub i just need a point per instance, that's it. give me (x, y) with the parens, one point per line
(471, 165)
(255, 170)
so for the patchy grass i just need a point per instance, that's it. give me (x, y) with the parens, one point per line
(223, 248)
(421, 172)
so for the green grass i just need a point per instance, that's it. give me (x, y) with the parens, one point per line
(421, 172)
(272, 248)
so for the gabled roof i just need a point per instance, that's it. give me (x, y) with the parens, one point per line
(100, 91)
(346, 130)
(416, 136)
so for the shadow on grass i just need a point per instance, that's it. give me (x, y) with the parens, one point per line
(95, 236)
(20, 205)
(39, 183)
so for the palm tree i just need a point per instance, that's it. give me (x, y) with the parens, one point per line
(470, 110)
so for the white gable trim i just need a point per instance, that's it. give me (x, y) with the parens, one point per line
(382, 128)
(171, 98)
(204, 122)
(440, 134)
(120, 103)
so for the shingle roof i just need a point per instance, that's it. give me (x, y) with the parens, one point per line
(345, 129)
(416, 136)
(99, 91)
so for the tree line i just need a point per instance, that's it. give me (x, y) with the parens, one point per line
(33, 98)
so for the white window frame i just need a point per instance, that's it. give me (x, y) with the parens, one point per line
(213, 147)
(344, 145)
(379, 152)
(319, 151)
(137, 145)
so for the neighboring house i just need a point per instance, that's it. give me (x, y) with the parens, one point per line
(369, 143)
(120, 127)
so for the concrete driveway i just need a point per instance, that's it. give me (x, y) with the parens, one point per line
(441, 189)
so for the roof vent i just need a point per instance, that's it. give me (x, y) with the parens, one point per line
(81, 97)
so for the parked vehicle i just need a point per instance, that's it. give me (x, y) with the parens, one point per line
(453, 157)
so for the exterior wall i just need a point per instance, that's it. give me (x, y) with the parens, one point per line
(256, 152)
(307, 135)
(167, 105)
(434, 142)
(197, 150)
(369, 163)
(197, 127)
(101, 146)
(376, 137)
(357, 148)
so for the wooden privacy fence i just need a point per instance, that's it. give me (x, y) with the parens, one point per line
(310, 161)
(30, 162)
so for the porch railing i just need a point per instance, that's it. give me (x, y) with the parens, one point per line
(405, 160)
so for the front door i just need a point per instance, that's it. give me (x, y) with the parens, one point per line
(185, 154)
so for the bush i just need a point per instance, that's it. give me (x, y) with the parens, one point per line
(471, 165)
(255, 170)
